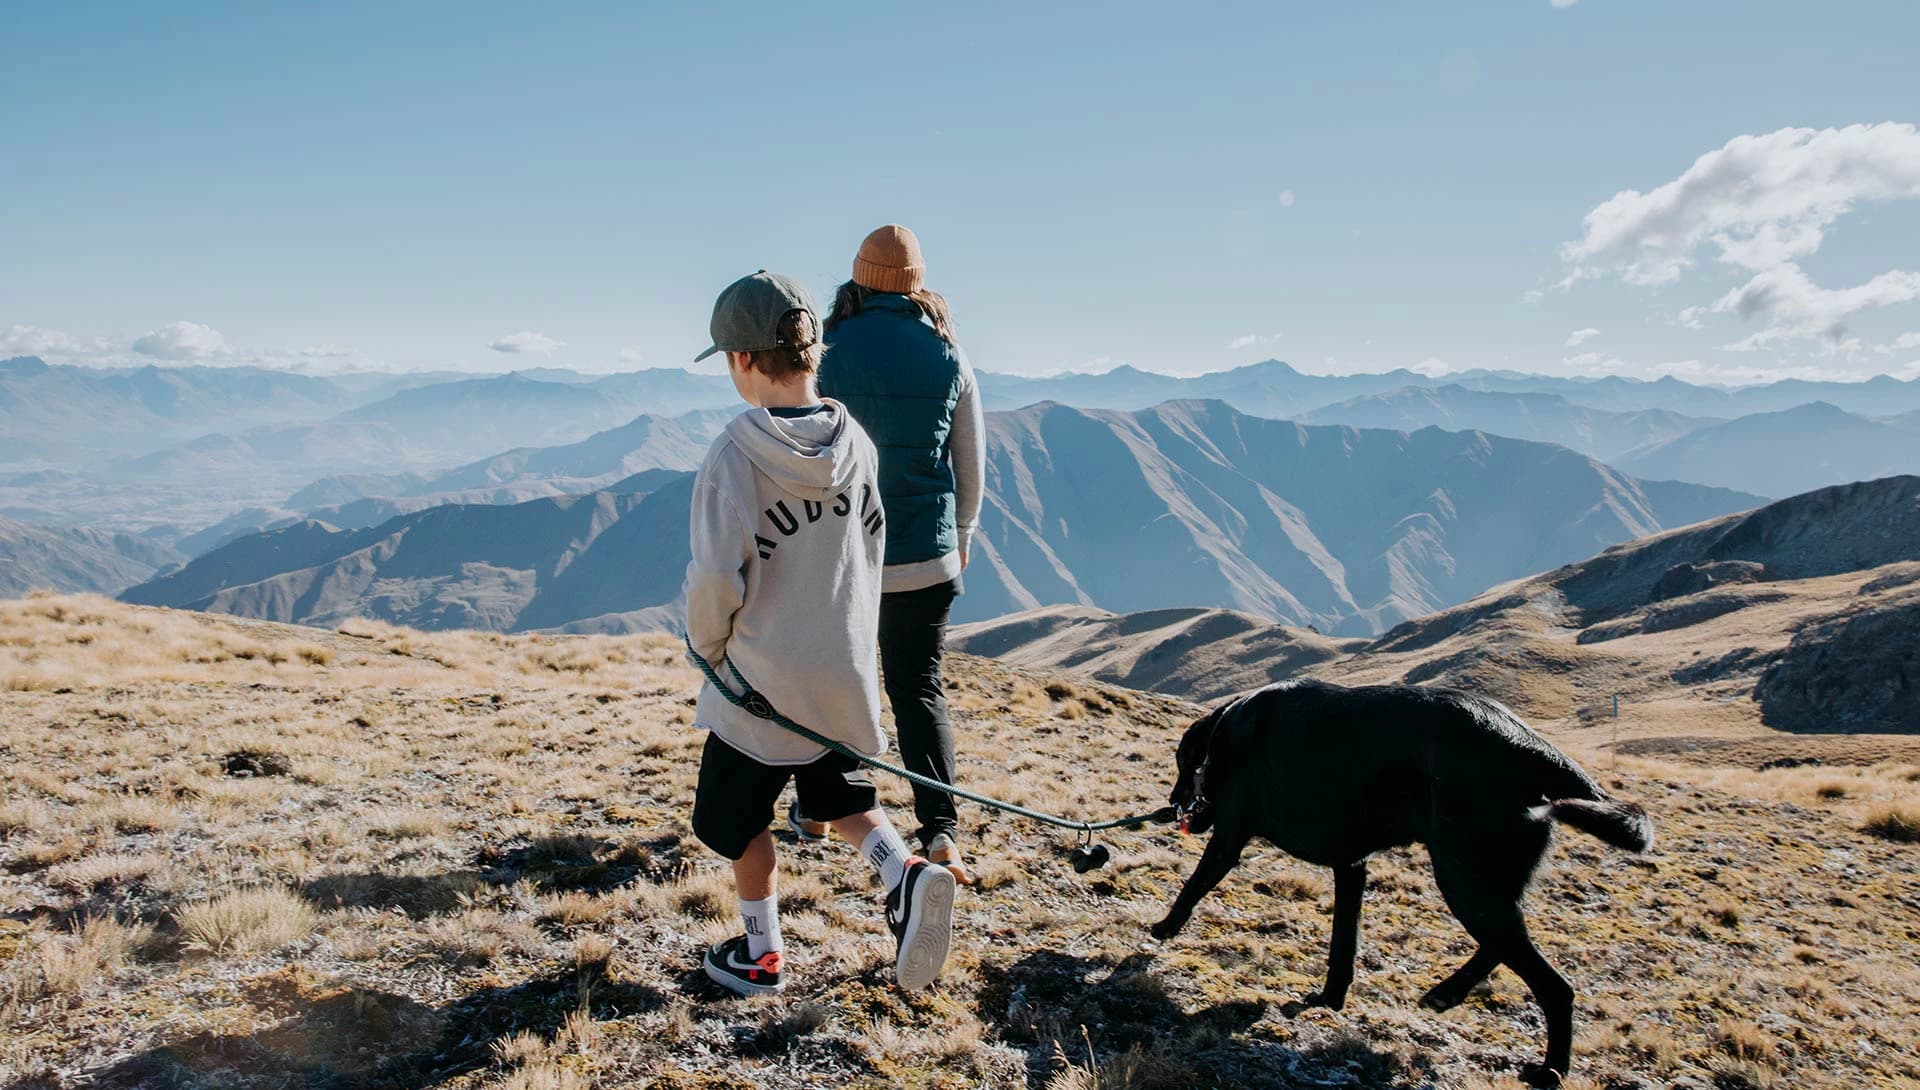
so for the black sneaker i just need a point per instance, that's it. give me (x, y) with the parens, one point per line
(802, 828)
(728, 965)
(920, 915)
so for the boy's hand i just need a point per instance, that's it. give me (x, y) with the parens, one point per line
(965, 548)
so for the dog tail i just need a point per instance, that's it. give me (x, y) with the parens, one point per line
(1622, 824)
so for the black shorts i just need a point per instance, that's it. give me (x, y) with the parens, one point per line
(734, 799)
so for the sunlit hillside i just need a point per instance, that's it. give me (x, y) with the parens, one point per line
(242, 854)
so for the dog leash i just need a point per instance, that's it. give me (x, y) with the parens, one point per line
(756, 704)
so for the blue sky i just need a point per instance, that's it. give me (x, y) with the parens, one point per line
(1345, 186)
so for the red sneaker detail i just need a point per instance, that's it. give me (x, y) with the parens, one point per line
(770, 961)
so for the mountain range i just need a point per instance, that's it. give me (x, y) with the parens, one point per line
(193, 457)
(1801, 615)
(1273, 388)
(50, 558)
(1348, 529)
(1783, 453)
(500, 567)
(1546, 418)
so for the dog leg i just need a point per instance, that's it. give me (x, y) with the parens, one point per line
(1492, 916)
(1349, 886)
(1555, 997)
(1222, 853)
(1452, 991)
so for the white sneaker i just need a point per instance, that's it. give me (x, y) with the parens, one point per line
(920, 915)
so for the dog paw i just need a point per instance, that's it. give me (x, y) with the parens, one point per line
(1324, 999)
(1164, 930)
(1437, 1000)
(1540, 1075)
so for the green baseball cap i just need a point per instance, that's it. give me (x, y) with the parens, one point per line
(746, 317)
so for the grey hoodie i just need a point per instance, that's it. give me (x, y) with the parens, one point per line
(787, 537)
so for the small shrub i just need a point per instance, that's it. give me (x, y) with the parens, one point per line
(74, 963)
(1894, 823)
(23, 816)
(574, 908)
(1832, 791)
(1745, 1041)
(247, 921)
(139, 814)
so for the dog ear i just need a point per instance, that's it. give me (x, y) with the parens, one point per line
(1194, 742)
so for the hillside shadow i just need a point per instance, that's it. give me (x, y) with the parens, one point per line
(550, 864)
(358, 1037)
(1060, 1005)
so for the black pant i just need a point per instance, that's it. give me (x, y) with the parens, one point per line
(913, 629)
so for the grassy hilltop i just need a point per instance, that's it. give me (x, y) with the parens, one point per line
(234, 853)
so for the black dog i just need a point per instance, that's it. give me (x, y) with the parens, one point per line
(1332, 775)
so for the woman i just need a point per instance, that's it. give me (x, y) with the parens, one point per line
(893, 362)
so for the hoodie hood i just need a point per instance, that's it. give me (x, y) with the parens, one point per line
(809, 456)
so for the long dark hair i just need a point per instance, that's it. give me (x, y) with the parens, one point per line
(851, 297)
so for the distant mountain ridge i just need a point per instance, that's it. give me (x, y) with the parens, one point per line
(1273, 388)
(1545, 418)
(1783, 453)
(512, 567)
(1344, 529)
(1350, 530)
(63, 560)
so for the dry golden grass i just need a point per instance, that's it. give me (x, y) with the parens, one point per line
(356, 857)
(246, 921)
(1895, 823)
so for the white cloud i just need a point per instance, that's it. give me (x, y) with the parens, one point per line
(631, 355)
(181, 341)
(1432, 367)
(325, 352)
(1250, 340)
(1581, 336)
(1794, 307)
(527, 343)
(1760, 201)
(1906, 341)
(27, 340)
(1564, 3)
(1286, 198)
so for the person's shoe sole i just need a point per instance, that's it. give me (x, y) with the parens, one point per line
(737, 986)
(923, 949)
(799, 825)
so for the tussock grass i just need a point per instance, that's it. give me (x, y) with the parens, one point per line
(80, 961)
(1896, 823)
(247, 921)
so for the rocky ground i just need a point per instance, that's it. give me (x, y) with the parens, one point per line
(240, 854)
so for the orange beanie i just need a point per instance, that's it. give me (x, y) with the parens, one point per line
(889, 260)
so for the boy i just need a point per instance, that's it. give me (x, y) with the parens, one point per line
(787, 538)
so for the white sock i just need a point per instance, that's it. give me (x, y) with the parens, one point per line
(763, 925)
(888, 854)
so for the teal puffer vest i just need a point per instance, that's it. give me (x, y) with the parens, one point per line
(901, 381)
